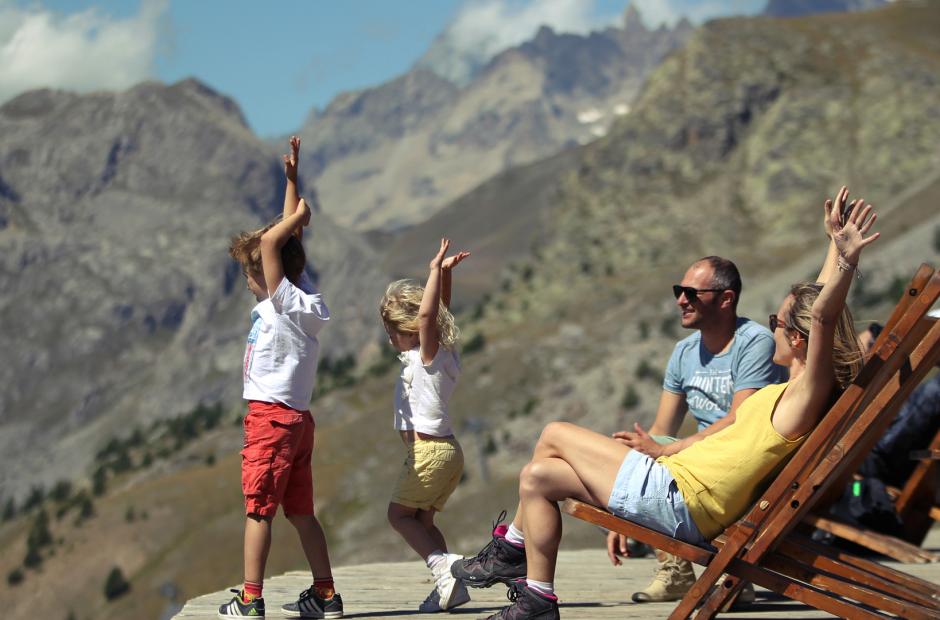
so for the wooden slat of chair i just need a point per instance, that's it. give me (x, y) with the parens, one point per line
(857, 569)
(857, 439)
(892, 350)
(889, 546)
(783, 573)
(887, 360)
(918, 282)
(915, 503)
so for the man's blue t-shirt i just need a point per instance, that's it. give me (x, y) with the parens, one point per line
(709, 381)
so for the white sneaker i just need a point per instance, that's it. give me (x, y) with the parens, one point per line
(448, 592)
(432, 604)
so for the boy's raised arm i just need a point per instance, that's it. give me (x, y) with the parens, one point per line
(291, 194)
(274, 239)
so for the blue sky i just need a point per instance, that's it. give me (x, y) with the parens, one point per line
(278, 60)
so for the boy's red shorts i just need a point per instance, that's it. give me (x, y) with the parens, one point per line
(276, 460)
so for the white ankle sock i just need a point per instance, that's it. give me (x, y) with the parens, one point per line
(435, 558)
(542, 587)
(515, 536)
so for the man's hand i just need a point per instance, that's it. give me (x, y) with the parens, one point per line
(617, 547)
(452, 261)
(290, 159)
(640, 441)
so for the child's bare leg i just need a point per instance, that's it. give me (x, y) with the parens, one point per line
(404, 520)
(426, 518)
(314, 543)
(257, 546)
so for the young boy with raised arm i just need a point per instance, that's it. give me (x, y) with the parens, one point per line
(279, 374)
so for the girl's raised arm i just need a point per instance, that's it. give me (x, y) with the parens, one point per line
(428, 337)
(446, 267)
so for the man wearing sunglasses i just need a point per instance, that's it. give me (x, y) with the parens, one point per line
(709, 374)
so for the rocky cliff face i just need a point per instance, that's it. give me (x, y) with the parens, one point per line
(119, 302)
(392, 155)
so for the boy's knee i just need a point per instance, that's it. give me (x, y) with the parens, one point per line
(258, 518)
(298, 520)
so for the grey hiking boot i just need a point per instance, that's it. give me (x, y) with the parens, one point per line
(498, 562)
(673, 578)
(527, 604)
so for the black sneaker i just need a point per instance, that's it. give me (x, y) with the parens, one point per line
(309, 605)
(499, 561)
(235, 608)
(527, 604)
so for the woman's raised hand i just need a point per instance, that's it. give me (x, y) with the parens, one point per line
(848, 227)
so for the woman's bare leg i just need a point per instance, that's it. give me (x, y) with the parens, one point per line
(596, 459)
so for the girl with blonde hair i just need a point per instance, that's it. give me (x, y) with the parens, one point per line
(421, 328)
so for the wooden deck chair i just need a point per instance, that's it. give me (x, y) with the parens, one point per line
(915, 500)
(762, 547)
(916, 503)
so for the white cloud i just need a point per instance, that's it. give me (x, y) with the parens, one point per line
(483, 28)
(490, 26)
(82, 51)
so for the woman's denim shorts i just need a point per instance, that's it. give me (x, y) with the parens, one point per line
(646, 493)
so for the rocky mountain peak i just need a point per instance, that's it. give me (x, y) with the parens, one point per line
(632, 20)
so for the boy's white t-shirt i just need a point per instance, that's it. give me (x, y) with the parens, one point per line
(422, 392)
(281, 354)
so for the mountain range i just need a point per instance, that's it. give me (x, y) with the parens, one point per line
(391, 156)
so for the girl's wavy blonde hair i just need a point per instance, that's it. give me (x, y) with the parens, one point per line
(847, 358)
(399, 310)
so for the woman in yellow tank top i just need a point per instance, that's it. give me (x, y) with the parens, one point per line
(697, 492)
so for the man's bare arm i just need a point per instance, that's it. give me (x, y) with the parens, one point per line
(738, 398)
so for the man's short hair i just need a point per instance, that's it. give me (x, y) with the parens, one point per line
(725, 276)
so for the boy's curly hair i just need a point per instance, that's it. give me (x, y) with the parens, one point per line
(246, 250)
(399, 309)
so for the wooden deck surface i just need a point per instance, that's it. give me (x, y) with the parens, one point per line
(588, 586)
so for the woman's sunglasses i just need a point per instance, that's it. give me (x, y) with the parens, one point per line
(692, 293)
(774, 322)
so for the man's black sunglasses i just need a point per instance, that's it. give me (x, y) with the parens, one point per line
(692, 293)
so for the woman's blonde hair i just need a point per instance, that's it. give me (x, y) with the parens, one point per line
(399, 309)
(847, 359)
